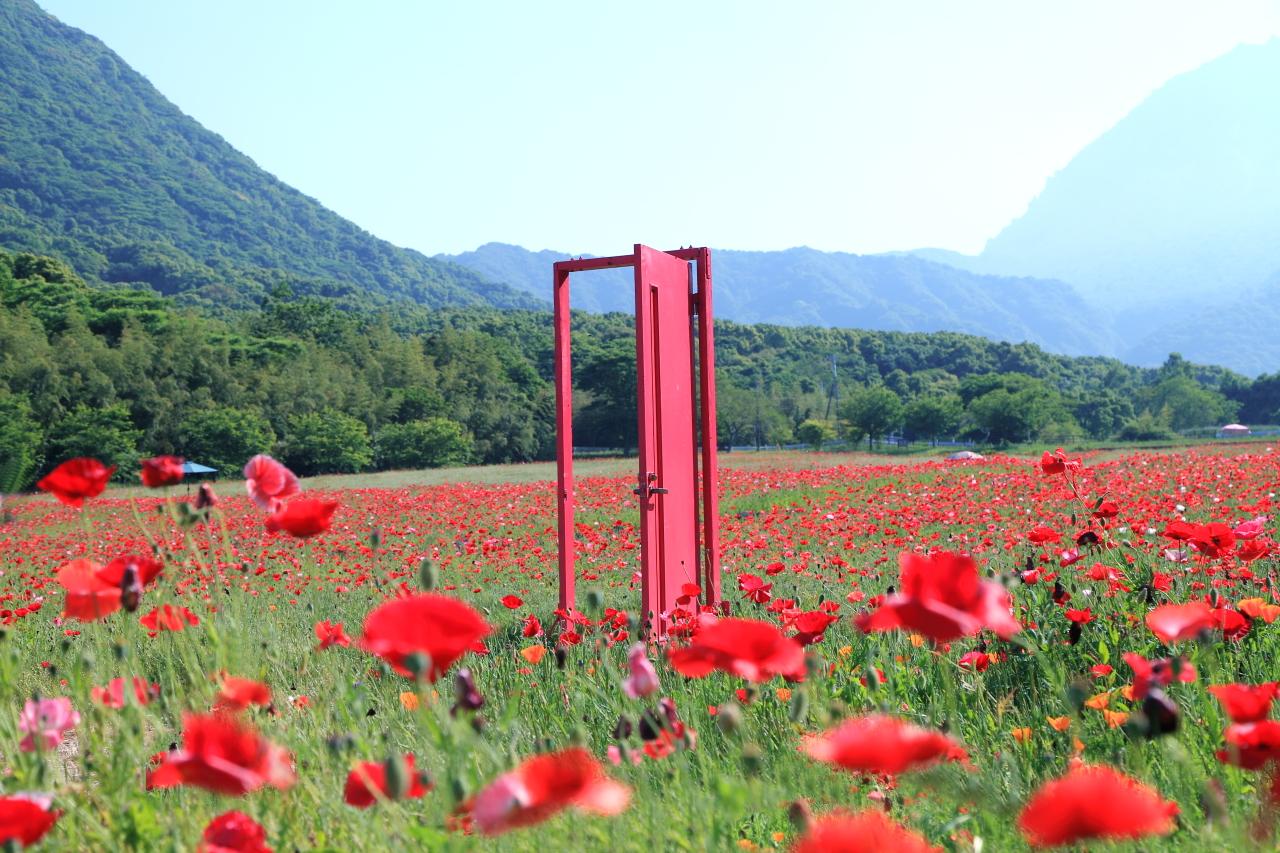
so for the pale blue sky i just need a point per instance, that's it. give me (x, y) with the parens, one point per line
(588, 126)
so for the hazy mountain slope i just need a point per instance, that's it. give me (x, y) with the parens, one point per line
(804, 286)
(98, 168)
(1180, 200)
(1235, 330)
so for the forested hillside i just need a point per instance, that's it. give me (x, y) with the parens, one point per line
(99, 169)
(119, 373)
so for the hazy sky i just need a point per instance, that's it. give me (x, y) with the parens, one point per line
(588, 126)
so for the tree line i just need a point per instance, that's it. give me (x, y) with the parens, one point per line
(123, 373)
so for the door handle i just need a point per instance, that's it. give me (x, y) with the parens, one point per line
(654, 490)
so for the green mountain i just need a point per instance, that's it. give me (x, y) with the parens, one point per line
(99, 169)
(804, 286)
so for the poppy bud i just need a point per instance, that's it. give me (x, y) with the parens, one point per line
(459, 788)
(130, 588)
(800, 815)
(466, 693)
(650, 727)
(729, 717)
(668, 708)
(338, 744)
(1073, 634)
(622, 730)
(428, 574)
(1213, 800)
(397, 776)
(752, 760)
(798, 708)
(595, 600)
(1157, 717)
(562, 655)
(1078, 692)
(418, 664)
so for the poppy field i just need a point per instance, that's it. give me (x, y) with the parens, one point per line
(978, 655)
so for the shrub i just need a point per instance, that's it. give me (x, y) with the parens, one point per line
(429, 443)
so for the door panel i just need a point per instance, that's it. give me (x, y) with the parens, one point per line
(667, 475)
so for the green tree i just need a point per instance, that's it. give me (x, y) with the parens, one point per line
(430, 443)
(1186, 404)
(815, 433)
(1102, 414)
(224, 438)
(326, 442)
(931, 418)
(106, 433)
(871, 412)
(20, 443)
(608, 375)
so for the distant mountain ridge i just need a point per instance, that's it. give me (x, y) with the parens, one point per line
(1169, 221)
(98, 168)
(804, 286)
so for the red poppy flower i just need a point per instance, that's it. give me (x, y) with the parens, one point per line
(1041, 535)
(368, 782)
(756, 651)
(441, 628)
(1057, 463)
(512, 602)
(545, 785)
(1251, 745)
(1094, 801)
(236, 694)
(882, 745)
(754, 588)
(268, 482)
(225, 755)
(25, 819)
(233, 832)
(944, 599)
(811, 626)
(331, 634)
(168, 618)
(1160, 673)
(145, 570)
(532, 627)
(1253, 549)
(1246, 703)
(870, 831)
(88, 597)
(1213, 539)
(113, 696)
(1179, 531)
(1174, 622)
(162, 471)
(77, 479)
(1106, 509)
(303, 518)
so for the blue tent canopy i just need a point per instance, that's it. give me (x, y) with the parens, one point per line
(197, 468)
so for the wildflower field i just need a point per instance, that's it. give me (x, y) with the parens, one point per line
(938, 655)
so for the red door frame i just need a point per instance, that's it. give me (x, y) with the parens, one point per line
(699, 313)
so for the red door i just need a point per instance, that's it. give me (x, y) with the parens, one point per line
(667, 486)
